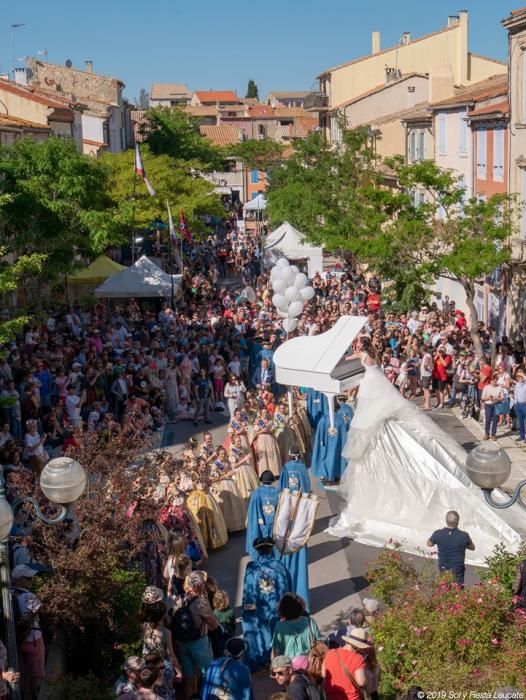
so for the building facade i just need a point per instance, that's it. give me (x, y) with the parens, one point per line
(169, 95)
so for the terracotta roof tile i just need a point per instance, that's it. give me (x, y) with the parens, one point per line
(496, 108)
(17, 122)
(485, 89)
(216, 96)
(221, 135)
(261, 112)
(202, 111)
(32, 94)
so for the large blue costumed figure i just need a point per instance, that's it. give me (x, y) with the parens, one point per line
(327, 461)
(261, 515)
(316, 406)
(266, 581)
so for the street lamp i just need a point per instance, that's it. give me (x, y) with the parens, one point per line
(63, 481)
(489, 466)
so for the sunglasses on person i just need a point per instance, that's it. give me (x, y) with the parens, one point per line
(273, 674)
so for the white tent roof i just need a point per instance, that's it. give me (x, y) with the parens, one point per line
(259, 203)
(143, 279)
(288, 242)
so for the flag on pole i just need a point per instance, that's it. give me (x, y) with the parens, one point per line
(140, 171)
(185, 231)
(171, 227)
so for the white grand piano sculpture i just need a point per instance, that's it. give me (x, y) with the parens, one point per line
(318, 361)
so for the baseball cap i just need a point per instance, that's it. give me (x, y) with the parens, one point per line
(152, 594)
(23, 571)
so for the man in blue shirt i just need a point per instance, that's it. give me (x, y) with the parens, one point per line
(452, 544)
(228, 676)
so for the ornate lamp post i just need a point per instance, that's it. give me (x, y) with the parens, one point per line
(488, 466)
(63, 481)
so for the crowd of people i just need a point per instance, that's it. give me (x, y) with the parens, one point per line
(213, 352)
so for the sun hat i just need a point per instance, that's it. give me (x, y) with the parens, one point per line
(152, 594)
(357, 638)
(281, 662)
(23, 571)
(134, 663)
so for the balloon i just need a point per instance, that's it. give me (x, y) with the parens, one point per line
(288, 275)
(282, 314)
(307, 293)
(289, 324)
(279, 286)
(300, 280)
(291, 294)
(282, 273)
(295, 308)
(274, 273)
(282, 262)
(295, 269)
(280, 302)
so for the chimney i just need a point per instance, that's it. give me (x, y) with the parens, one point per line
(375, 37)
(20, 76)
(461, 67)
(406, 38)
(452, 19)
(88, 66)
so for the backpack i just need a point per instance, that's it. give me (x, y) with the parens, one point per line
(311, 690)
(183, 625)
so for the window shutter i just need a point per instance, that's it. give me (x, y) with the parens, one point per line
(481, 154)
(463, 129)
(442, 133)
(498, 155)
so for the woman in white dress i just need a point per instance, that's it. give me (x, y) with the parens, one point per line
(170, 388)
(34, 451)
(404, 473)
(235, 392)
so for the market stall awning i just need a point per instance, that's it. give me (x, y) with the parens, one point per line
(142, 280)
(96, 272)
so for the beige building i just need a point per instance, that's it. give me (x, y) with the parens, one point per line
(169, 95)
(13, 128)
(106, 122)
(442, 55)
(516, 296)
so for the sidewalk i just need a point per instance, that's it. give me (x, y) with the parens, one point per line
(507, 440)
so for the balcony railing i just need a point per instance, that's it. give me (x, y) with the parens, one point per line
(316, 101)
(518, 250)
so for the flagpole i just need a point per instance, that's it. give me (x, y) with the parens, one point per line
(133, 215)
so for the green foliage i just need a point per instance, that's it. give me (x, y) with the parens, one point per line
(262, 154)
(502, 566)
(170, 131)
(441, 637)
(57, 202)
(252, 90)
(329, 192)
(125, 605)
(81, 688)
(174, 181)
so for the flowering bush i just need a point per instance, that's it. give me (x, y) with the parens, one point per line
(445, 638)
(502, 566)
(391, 573)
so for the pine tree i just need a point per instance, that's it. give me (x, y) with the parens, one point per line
(252, 90)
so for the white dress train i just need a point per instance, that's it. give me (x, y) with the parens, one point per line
(403, 475)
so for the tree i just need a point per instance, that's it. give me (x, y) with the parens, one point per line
(57, 203)
(11, 277)
(262, 154)
(439, 233)
(174, 181)
(329, 192)
(169, 131)
(252, 90)
(143, 101)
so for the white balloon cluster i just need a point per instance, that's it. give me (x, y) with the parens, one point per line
(290, 292)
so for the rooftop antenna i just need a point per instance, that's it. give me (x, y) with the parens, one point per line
(43, 53)
(14, 27)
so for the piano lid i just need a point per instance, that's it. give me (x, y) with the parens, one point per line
(317, 355)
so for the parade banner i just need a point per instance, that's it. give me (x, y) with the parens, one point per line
(295, 517)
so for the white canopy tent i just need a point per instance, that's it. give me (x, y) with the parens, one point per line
(288, 242)
(259, 203)
(142, 280)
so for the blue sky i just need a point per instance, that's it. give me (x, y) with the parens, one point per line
(281, 44)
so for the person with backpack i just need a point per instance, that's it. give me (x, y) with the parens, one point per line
(228, 677)
(30, 642)
(190, 627)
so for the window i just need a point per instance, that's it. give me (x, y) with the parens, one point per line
(254, 177)
(442, 133)
(336, 132)
(417, 145)
(481, 154)
(261, 130)
(498, 155)
(463, 133)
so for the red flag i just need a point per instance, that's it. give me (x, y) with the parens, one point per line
(140, 171)
(185, 231)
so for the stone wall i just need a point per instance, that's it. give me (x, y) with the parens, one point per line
(78, 85)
